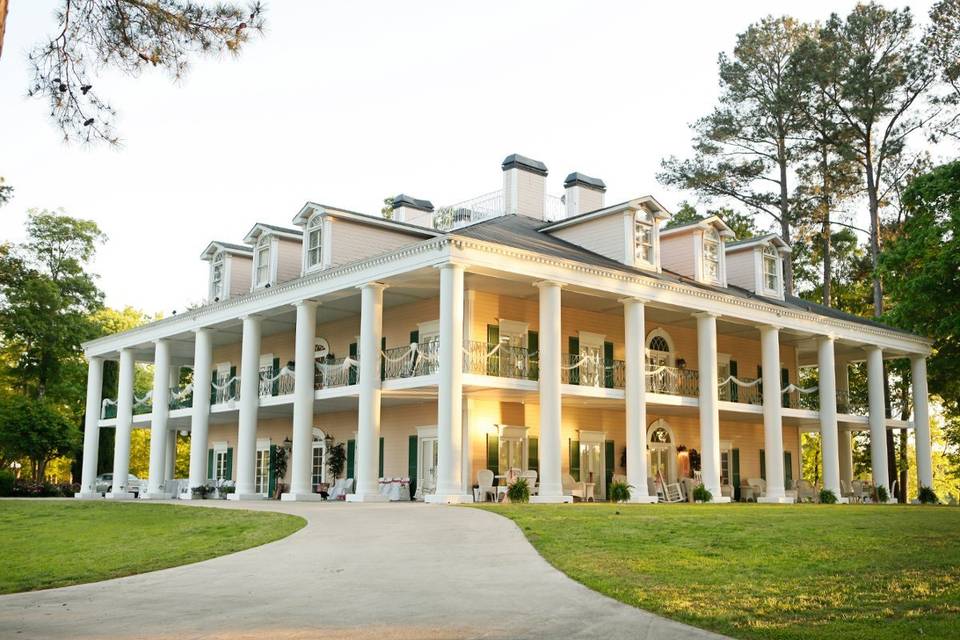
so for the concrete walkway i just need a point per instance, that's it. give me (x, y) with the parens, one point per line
(385, 571)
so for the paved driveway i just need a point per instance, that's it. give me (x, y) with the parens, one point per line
(385, 571)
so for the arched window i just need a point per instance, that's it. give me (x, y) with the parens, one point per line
(216, 277)
(662, 451)
(263, 261)
(659, 344)
(660, 435)
(314, 241)
(711, 255)
(660, 351)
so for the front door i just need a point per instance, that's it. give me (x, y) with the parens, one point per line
(592, 467)
(427, 465)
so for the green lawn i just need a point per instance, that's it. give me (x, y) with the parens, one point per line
(47, 544)
(764, 571)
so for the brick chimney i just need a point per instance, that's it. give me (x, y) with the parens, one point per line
(583, 193)
(524, 186)
(413, 211)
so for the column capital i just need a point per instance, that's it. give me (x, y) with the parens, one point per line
(252, 316)
(918, 357)
(451, 264)
(306, 302)
(826, 337)
(870, 348)
(548, 283)
(633, 299)
(769, 327)
(373, 285)
(202, 330)
(705, 314)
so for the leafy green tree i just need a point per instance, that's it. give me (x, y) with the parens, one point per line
(6, 191)
(742, 225)
(129, 36)
(943, 42)
(35, 429)
(744, 150)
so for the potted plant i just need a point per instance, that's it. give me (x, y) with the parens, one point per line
(620, 491)
(926, 495)
(702, 494)
(280, 470)
(336, 459)
(827, 497)
(519, 491)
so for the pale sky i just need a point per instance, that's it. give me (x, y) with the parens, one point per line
(346, 103)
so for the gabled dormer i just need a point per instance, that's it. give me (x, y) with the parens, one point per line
(696, 250)
(276, 254)
(628, 232)
(230, 266)
(335, 236)
(757, 264)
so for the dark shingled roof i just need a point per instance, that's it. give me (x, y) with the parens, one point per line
(517, 161)
(587, 181)
(234, 247)
(522, 232)
(403, 200)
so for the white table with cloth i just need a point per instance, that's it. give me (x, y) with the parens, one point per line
(396, 489)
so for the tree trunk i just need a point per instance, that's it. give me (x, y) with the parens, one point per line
(785, 214)
(825, 231)
(3, 23)
(874, 205)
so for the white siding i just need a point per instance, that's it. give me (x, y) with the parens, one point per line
(241, 270)
(289, 259)
(741, 269)
(352, 241)
(678, 252)
(601, 235)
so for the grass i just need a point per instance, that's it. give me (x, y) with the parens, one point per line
(57, 543)
(764, 571)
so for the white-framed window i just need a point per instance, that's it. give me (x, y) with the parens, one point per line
(220, 464)
(711, 255)
(262, 478)
(771, 268)
(216, 277)
(315, 242)
(319, 474)
(643, 238)
(262, 261)
(513, 449)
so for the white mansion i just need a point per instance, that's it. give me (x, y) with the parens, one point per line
(514, 331)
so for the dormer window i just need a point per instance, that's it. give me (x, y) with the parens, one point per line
(262, 261)
(314, 242)
(711, 255)
(643, 238)
(216, 277)
(771, 268)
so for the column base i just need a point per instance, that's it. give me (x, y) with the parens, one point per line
(776, 500)
(158, 495)
(121, 495)
(88, 495)
(245, 496)
(301, 497)
(450, 498)
(720, 500)
(551, 499)
(367, 497)
(642, 500)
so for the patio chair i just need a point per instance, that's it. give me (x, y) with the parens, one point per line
(653, 487)
(672, 492)
(806, 491)
(485, 480)
(572, 488)
(861, 491)
(759, 486)
(846, 490)
(531, 476)
(337, 490)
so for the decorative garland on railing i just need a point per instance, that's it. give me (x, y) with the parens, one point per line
(793, 387)
(221, 387)
(739, 382)
(271, 379)
(183, 393)
(326, 369)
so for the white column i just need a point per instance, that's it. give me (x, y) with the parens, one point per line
(91, 428)
(551, 484)
(200, 412)
(772, 419)
(158, 419)
(829, 437)
(245, 460)
(304, 377)
(878, 417)
(368, 410)
(170, 459)
(921, 421)
(709, 409)
(121, 446)
(635, 395)
(450, 389)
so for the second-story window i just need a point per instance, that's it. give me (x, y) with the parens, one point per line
(216, 280)
(314, 242)
(711, 255)
(771, 269)
(263, 261)
(643, 238)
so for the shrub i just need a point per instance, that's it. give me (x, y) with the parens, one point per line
(926, 495)
(620, 491)
(519, 491)
(881, 493)
(827, 496)
(7, 480)
(702, 494)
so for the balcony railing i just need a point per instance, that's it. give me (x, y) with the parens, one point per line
(225, 389)
(181, 398)
(486, 206)
(499, 359)
(673, 381)
(850, 404)
(411, 361)
(745, 390)
(339, 372)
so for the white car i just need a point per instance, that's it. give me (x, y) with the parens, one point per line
(105, 484)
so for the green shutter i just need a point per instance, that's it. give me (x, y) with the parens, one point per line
(533, 454)
(787, 470)
(413, 448)
(763, 464)
(213, 392)
(784, 382)
(414, 339)
(209, 464)
(760, 378)
(735, 473)
(608, 455)
(352, 376)
(533, 352)
(493, 453)
(228, 472)
(275, 390)
(272, 475)
(608, 365)
(573, 349)
(734, 387)
(383, 361)
(351, 452)
(380, 467)
(493, 339)
(232, 393)
(575, 459)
